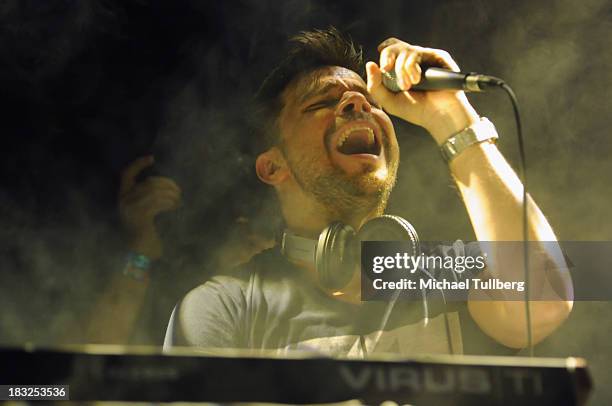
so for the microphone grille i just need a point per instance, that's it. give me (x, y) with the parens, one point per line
(389, 80)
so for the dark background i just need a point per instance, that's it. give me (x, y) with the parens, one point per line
(88, 86)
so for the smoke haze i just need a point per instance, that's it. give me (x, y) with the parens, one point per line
(89, 86)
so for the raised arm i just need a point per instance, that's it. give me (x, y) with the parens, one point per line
(492, 194)
(117, 308)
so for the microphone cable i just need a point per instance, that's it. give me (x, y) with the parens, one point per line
(523, 175)
(496, 82)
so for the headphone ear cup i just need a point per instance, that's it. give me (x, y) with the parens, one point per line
(335, 256)
(390, 228)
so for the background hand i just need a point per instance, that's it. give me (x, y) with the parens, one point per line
(139, 204)
(442, 113)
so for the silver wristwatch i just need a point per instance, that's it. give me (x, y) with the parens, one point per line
(478, 132)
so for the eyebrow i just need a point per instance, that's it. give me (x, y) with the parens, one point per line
(319, 91)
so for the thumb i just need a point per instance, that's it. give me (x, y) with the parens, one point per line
(375, 86)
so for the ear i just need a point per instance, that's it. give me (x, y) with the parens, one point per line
(271, 167)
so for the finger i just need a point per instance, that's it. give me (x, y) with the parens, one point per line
(148, 207)
(129, 174)
(149, 187)
(162, 182)
(374, 85)
(380, 93)
(169, 195)
(438, 58)
(419, 72)
(402, 78)
(160, 206)
(387, 59)
(142, 196)
(412, 68)
(388, 42)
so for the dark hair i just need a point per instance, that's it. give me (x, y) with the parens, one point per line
(307, 51)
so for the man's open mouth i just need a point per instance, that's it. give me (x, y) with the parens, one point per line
(358, 140)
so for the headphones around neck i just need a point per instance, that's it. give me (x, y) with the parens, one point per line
(337, 252)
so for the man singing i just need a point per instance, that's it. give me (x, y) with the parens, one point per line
(331, 155)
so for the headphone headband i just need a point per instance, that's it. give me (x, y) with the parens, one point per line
(297, 248)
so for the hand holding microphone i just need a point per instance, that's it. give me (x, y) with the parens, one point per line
(442, 113)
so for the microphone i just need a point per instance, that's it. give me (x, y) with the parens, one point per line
(444, 79)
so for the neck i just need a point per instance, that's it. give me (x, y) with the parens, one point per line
(307, 217)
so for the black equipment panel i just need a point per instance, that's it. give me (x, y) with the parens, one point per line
(112, 374)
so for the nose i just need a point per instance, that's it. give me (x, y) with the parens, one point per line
(353, 102)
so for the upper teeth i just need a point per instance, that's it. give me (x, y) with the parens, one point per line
(344, 136)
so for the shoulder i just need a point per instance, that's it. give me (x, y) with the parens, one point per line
(266, 268)
(269, 266)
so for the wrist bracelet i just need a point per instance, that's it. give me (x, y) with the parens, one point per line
(137, 266)
(477, 133)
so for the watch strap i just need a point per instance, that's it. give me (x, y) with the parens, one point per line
(479, 132)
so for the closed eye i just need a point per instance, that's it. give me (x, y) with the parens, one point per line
(321, 105)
